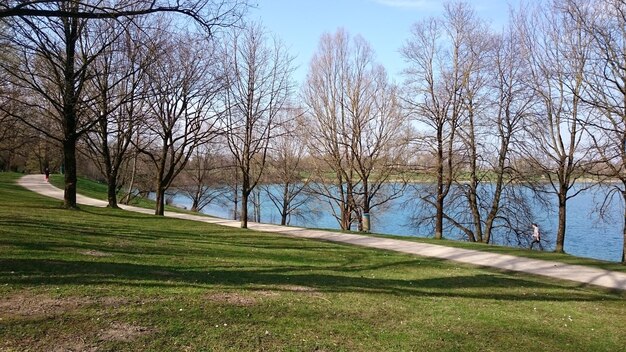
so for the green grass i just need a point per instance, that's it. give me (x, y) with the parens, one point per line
(86, 187)
(109, 280)
(98, 190)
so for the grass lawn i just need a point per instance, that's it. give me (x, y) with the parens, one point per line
(109, 280)
(98, 190)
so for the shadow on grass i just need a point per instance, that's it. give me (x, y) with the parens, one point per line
(145, 235)
(36, 272)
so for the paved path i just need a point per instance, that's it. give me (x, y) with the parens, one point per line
(583, 274)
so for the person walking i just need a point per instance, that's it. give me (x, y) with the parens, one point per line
(536, 236)
(46, 171)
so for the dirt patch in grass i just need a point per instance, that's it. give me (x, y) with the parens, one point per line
(124, 332)
(306, 291)
(50, 342)
(94, 253)
(29, 305)
(275, 291)
(73, 344)
(297, 288)
(26, 305)
(88, 341)
(80, 338)
(232, 298)
(112, 301)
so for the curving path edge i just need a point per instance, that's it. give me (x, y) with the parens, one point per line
(583, 274)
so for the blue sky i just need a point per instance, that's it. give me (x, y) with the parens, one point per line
(384, 23)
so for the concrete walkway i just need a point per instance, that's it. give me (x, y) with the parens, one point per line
(582, 274)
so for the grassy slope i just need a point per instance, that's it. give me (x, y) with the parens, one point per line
(112, 280)
(97, 190)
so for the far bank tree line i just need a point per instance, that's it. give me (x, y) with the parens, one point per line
(493, 120)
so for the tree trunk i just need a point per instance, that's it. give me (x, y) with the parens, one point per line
(256, 197)
(110, 170)
(365, 217)
(624, 245)
(350, 206)
(160, 200)
(345, 220)
(244, 210)
(245, 195)
(131, 184)
(560, 236)
(283, 213)
(112, 189)
(439, 219)
(344, 202)
(345, 215)
(9, 160)
(477, 234)
(366, 224)
(497, 195)
(439, 204)
(495, 205)
(69, 160)
(70, 101)
(236, 196)
(235, 205)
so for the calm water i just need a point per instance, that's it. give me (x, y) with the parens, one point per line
(587, 235)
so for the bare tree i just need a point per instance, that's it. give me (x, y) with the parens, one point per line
(377, 145)
(13, 135)
(604, 22)
(472, 55)
(482, 200)
(203, 180)
(182, 107)
(436, 76)
(56, 59)
(54, 67)
(287, 188)
(326, 97)
(502, 201)
(557, 51)
(355, 128)
(258, 84)
(209, 14)
(118, 83)
(17, 143)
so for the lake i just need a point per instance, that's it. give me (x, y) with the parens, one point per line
(587, 235)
